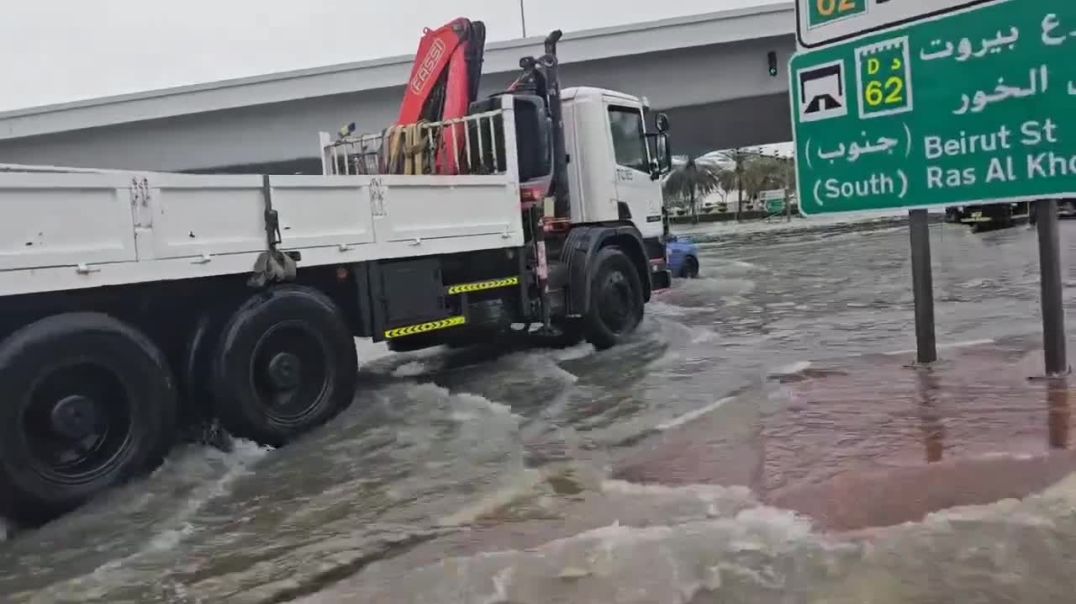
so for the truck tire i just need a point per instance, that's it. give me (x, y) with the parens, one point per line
(285, 363)
(196, 372)
(616, 299)
(86, 403)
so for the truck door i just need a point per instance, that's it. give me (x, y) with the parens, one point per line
(638, 197)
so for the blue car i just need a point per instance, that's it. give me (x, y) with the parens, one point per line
(683, 256)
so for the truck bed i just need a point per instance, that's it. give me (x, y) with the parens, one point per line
(66, 230)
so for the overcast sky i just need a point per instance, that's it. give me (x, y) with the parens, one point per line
(61, 50)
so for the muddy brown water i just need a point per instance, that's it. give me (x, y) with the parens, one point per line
(755, 443)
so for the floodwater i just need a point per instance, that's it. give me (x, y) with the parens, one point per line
(761, 440)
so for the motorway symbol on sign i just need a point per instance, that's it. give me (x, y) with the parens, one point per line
(822, 22)
(973, 107)
(823, 92)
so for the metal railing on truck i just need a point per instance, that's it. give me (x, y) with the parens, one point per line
(471, 145)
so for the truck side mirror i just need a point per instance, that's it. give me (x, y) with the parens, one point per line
(661, 123)
(662, 162)
(664, 154)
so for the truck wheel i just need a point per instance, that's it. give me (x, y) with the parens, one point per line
(285, 363)
(196, 373)
(86, 402)
(616, 299)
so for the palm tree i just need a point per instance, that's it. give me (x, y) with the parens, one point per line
(750, 172)
(762, 173)
(727, 180)
(690, 182)
(732, 164)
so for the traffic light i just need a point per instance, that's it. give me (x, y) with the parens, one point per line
(772, 58)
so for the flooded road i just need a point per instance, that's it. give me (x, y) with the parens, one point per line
(761, 440)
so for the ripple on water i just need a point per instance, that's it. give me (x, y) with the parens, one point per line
(412, 467)
(104, 543)
(753, 553)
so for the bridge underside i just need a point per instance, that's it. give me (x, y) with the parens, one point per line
(699, 129)
(718, 96)
(696, 130)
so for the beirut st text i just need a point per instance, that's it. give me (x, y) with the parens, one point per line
(1006, 154)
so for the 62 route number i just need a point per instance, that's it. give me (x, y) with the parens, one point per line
(885, 78)
(889, 92)
(826, 11)
(830, 8)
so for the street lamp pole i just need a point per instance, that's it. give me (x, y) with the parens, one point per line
(523, 18)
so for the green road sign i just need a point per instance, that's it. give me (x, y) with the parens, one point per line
(773, 200)
(822, 22)
(976, 106)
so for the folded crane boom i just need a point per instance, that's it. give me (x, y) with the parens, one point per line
(444, 81)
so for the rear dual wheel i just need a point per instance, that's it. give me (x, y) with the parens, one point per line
(284, 363)
(86, 402)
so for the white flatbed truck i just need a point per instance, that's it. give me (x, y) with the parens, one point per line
(133, 302)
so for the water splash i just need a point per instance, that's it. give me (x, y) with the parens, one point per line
(756, 554)
(190, 478)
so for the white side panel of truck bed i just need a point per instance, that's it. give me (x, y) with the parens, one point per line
(205, 215)
(323, 211)
(64, 231)
(429, 207)
(64, 220)
(199, 216)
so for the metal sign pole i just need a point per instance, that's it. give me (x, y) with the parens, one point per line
(923, 287)
(1053, 309)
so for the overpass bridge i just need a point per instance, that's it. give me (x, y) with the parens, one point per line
(708, 72)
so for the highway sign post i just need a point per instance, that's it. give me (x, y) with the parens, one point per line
(1053, 309)
(907, 104)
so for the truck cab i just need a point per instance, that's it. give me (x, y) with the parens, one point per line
(612, 169)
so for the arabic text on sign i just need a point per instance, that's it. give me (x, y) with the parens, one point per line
(856, 150)
(966, 50)
(1050, 24)
(1039, 83)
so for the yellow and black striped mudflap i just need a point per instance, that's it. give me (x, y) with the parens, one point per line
(481, 286)
(413, 330)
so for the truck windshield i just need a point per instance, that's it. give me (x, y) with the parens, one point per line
(629, 138)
